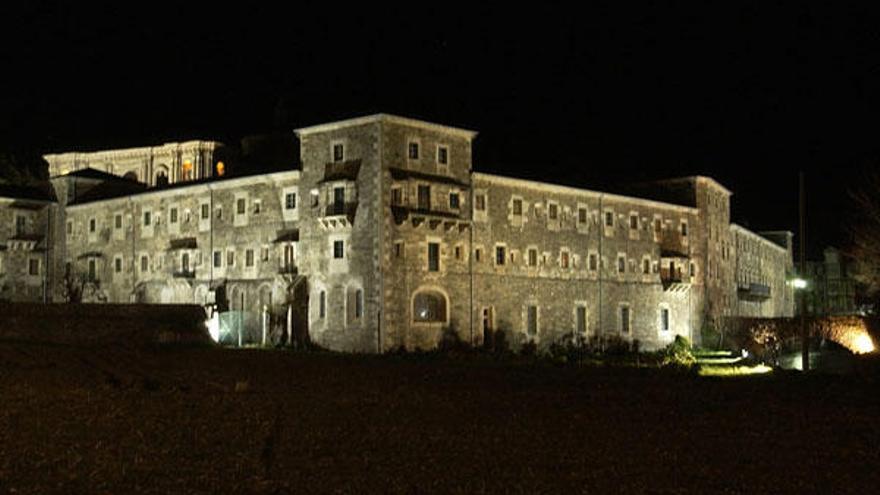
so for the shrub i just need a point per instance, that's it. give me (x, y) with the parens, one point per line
(678, 354)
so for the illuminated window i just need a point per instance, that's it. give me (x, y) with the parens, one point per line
(429, 307)
(221, 169)
(187, 170)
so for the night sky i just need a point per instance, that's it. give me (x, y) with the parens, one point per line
(749, 95)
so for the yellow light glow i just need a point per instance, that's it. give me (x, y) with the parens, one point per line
(863, 344)
(187, 166)
(221, 168)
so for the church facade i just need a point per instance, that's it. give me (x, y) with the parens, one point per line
(387, 238)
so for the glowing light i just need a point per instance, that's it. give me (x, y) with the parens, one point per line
(213, 325)
(863, 344)
(734, 370)
(799, 283)
(221, 168)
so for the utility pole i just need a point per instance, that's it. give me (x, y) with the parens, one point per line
(805, 338)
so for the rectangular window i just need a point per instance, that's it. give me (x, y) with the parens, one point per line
(646, 266)
(443, 155)
(480, 202)
(621, 264)
(582, 215)
(230, 258)
(206, 211)
(580, 315)
(453, 201)
(338, 152)
(249, 258)
(553, 211)
(33, 267)
(288, 256)
(398, 249)
(148, 219)
(264, 253)
(240, 206)
(117, 265)
(458, 252)
(338, 249)
(396, 196)
(413, 152)
(145, 263)
(358, 303)
(532, 321)
(664, 319)
(517, 207)
(290, 201)
(21, 225)
(172, 215)
(322, 304)
(658, 225)
(338, 200)
(424, 197)
(634, 222)
(433, 257)
(478, 254)
(594, 263)
(693, 270)
(93, 224)
(609, 219)
(92, 271)
(69, 228)
(563, 259)
(218, 259)
(684, 229)
(533, 257)
(624, 319)
(117, 221)
(500, 255)
(258, 206)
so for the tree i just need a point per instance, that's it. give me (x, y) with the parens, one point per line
(864, 226)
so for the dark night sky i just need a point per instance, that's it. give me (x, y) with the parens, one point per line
(746, 94)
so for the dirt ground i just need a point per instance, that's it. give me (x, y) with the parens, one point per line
(199, 420)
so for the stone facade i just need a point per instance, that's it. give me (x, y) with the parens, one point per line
(25, 245)
(387, 238)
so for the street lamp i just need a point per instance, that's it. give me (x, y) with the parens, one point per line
(799, 283)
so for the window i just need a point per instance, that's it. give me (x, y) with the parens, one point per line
(532, 321)
(396, 196)
(517, 207)
(117, 221)
(33, 267)
(338, 200)
(338, 152)
(443, 155)
(684, 229)
(553, 211)
(582, 215)
(264, 253)
(69, 228)
(478, 254)
(658, 225)
(609, 219)
(424, 197)
(322, 304)
(500, 255)
(634, 222)
(290, 201)
(92, 271)
(433, 257)
(594, 262)
(563, 259)
(172, 215)
(117, 265)
(145, 263)
(218, 259)
(148, 219)
(453, 200)
(646, 266)
(338, 249)
(580, 317)
(240, 206)
(358, 303)
(93, 224)
(693, 269)
(413, 151)
(480, 202)
(21, 225)
(249, 258)
(429, 307)
(258, 206)
(230, 258)
(398, 250)
(624, 319)
(288, 256)
(664, 319)
(206, 211)
(533, 257)
(621, 264)
(184, 262)
(457, 251)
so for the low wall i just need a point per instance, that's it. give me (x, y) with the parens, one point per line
(856, 333)
(138, 324)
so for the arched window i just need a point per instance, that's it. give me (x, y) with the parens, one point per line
(429, 307)
(161, 176)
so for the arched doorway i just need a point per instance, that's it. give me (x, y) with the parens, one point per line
(161, 176)
(131, 175)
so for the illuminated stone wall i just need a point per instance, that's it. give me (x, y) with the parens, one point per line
(23, 248)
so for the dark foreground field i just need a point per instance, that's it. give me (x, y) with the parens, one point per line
(225, 421)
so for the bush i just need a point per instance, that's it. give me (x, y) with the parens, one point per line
(678, 354)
